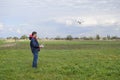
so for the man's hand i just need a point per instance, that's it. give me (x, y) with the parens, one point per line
(41, 46)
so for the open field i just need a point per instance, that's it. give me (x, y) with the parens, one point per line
(61, 60)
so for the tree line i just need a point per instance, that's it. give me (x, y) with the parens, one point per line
(97, 37)
(69, 37)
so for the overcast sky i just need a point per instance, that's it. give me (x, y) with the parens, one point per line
(52, 18)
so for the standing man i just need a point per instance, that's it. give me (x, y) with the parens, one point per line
(35, 48)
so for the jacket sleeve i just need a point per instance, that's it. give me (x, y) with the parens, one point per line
(34, 43)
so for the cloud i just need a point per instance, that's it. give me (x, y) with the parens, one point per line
(1, 26)
(18, 31)
(10, 29)
(91, 21)
(62, 19)
(117, 29)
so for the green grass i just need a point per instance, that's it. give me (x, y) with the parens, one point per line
(1, 41)
(62, 60)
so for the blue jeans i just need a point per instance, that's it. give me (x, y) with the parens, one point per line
(35, 59)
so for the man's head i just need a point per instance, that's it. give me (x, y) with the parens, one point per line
(34, 34)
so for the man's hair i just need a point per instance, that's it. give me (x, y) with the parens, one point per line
(34, 33)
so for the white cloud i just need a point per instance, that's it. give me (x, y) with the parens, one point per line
(1, 26)
(92, 13)
(117, 29)
(86, 21)
(18, 31)
(69, 22)
(10, 29)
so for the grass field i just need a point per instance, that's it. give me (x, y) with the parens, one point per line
(61, 60)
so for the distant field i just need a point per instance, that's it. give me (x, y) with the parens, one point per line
(61, 60)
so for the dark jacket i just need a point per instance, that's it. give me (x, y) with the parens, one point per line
(34, 45)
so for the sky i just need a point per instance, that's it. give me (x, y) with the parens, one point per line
(51, 18)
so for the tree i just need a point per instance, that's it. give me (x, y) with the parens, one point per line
(104, 38)
(97, 37)
(114, 37)
(90, 38)
(86, 38)
(69, 37)
(57, 38)
(46, 38)
(23, 37)
(108, 37)
(15, 38)
(9, 37)
(76, 38)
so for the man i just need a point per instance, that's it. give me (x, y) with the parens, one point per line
(35, 48)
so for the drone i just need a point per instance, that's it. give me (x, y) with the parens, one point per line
(79, 21)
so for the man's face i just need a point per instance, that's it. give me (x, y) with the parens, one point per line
(35, 35)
